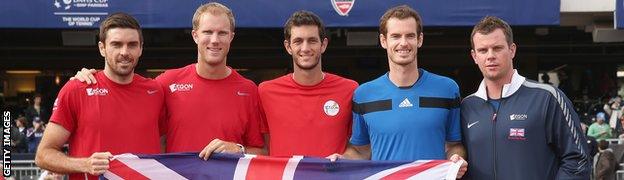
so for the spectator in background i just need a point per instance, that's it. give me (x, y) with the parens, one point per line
(616, 111)
(36, 111)
(546, 78)
(18, 138)
(621, 129)
(605, 163)
(606, 107)
(599, 129)
(34, 135)
(592, 144)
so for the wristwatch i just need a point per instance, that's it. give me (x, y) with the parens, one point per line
(242, 148)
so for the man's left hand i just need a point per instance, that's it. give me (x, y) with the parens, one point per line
(464, 167)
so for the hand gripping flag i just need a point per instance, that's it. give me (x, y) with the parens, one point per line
(233, 166)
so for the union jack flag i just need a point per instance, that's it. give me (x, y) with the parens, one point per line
(232, 166)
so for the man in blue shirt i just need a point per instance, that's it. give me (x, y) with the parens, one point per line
(407, 113)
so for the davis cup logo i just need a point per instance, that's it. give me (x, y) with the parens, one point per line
(66, 2)
(342, 7)
(331, 108)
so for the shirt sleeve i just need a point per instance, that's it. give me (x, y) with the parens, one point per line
(253, 136)
(453, 128)
(162, 118)
(64, 112)
(565, 135)
(164, 115)
(359, 131)
(264, 126)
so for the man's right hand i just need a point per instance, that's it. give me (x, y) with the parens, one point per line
(334, 157)
(85, 75)
(97, 164)
(219, 146)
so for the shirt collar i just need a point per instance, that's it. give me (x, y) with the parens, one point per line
(508, 89)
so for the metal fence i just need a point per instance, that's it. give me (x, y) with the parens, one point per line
(24, 170)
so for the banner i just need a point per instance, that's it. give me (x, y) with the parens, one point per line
(232, 166)
(619, 14)
(270, 13)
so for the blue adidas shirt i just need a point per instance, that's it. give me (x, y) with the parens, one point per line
(408, 123)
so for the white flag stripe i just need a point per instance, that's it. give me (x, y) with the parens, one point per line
(387, 172)
(291, 166)
(149, 168)
(111, 176)
(453, 170)
(242, 166)
(436, 171)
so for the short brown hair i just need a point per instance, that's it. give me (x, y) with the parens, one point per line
(399, 12)
(488, 25)
(213, 8)
(22, 120)
(602, 144)
(119, 20)
(301, 18)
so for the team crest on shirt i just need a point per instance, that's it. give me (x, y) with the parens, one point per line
(517, 134)
(180, 87)
(331, 108)
(97, 91)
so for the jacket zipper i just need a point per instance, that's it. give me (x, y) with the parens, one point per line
(494, 137)
(500, 104)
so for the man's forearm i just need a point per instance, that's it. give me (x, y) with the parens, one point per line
(353, 152)
(56, 161)
(455, 148)
(255, 150)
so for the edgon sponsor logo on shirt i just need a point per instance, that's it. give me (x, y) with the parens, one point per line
(518, 117)
(181, 87)
(97, 91)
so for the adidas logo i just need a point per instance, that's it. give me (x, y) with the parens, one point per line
(406, 103)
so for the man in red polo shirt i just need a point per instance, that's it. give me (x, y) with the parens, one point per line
(118, 115)
(308, 112)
